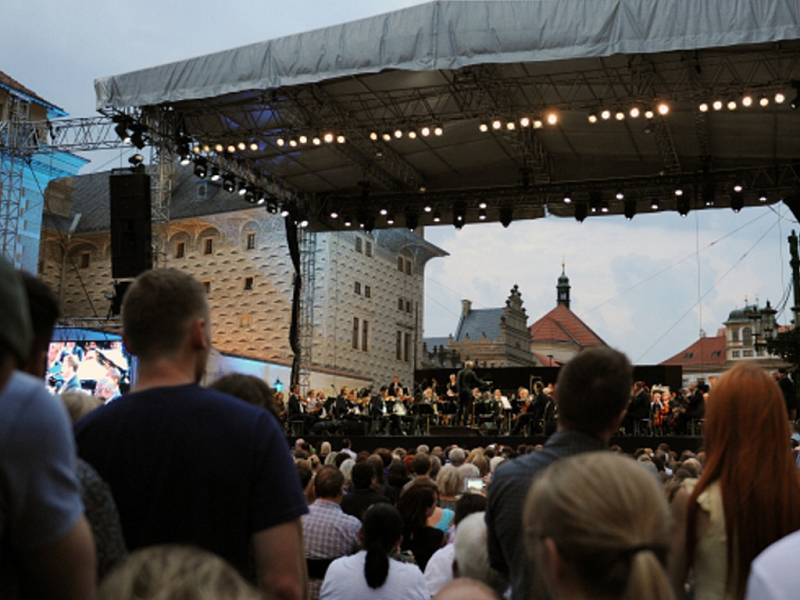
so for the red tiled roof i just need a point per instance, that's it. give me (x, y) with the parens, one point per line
(563, 325)
(7, 81)
(705, 352)
(546, 361)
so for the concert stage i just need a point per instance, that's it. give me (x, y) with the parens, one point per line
(472, 438)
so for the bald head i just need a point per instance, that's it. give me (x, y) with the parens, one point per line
(465, 589)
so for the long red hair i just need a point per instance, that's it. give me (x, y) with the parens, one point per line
(747, 451)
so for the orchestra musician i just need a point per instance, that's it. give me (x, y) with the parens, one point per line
(466, 382)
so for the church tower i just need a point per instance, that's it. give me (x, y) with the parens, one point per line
(563, 288)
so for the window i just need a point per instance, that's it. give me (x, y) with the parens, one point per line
(248, 283)
(408, 306)
(747, 354)
(368, 248)
(406, 346)
(251, 241)
(208, 246)
(747, 336)
(85, 260)
(735, 335)
(207, 286)
(355, 333)
(399, 304)
(364, 335)
(358, 244)
(180, 250)
(357, 287)
(367, 292)
(400, 263)
(408, 267)
(735, 354)
(399, 346)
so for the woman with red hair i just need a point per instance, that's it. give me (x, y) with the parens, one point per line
(748, 495)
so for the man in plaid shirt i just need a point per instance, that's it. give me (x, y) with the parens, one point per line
(328, 532)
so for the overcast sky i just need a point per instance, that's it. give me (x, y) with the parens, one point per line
(635, 283)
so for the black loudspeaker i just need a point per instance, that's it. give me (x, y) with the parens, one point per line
(131, 251)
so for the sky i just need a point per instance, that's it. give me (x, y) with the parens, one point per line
(635, 283)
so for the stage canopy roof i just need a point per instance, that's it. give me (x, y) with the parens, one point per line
(429, 112)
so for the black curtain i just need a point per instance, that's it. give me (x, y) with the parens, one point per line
(294, 334)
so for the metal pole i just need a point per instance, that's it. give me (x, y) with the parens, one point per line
(795, 264)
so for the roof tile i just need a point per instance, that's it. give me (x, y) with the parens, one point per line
(563, 325)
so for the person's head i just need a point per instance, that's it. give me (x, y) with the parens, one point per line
(450, 481)
(340, 458)
(469, 364)
(482, 464)
(69, 366)
(397, 474)
(381, 532)
(416, 504)
(457, 457)
(165, 317)
(472, 552)
(598, 525)
(170, 571)
(423, 449)
(421, 465)
(329, 483)
(468, 504)
(16, 333)
(79, 404)
(248, 388)
(44, 312)
(462, 587)
(324, 449)
(346, 443)
(347, 468)
(469, 470)
(363, 475)
(593, 390)
(746, 433)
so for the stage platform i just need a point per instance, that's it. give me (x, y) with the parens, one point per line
(469, 439)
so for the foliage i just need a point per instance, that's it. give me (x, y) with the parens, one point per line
(787, 345)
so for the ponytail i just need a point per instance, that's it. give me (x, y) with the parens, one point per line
(647, 578)
(376, 565)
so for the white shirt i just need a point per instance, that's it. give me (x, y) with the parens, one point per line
(345, 581)
(774, 574)
(439, 570)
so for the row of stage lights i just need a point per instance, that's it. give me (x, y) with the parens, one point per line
(315, 140)
(411, 134)
(747, 101)
(605, 114)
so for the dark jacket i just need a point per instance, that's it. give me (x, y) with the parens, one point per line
(294, 408)
(467, 381)
(358, 501)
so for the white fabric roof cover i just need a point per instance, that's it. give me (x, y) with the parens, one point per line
(455, 34)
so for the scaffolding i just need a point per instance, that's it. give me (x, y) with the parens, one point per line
(15, 130)
(308, 268)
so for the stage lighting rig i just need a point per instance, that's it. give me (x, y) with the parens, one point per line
(630, 209)
(506, 215)
(200, 167)
(459, 215)
(795, 103)
(580, 212)
(228, 183)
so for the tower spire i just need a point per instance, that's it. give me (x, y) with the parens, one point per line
(563, 287)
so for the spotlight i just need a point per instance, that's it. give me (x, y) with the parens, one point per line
(333, 214)
(552, 118)
(242, 188)
(412, 220)
(604, 208)
(228, 184)
(328, 138)
(316, 141)
(703, 107)
(511, 126)
(285, 212)
(398, 133)
(663, 109)
(136, 160)
(537, 124)
(387, 137)
(373, 135)
(437, 217)
(634, 112)
(780, 98)
(738, 187)
(592, 118)
(422, 189)
(122, 131)
(482, 214)
(567, 198)
(427, 209)
(630, 209)
(655, 204)
(497, 124)
(648, 114)
(747, 101)
(186, 158)
(483, 127)
(262, 197)
(279, 141)
(231, 149)
(506, 215)
(390, 219)
(340, 139)
(412, 135)
(683, 206)
(242, 146)
(678, 192)
(762, 197)
(525, 121)
(763, 102)
(795, 103)
(303, 223)
(425, 131)
(580, 212)
(137, 135)
(215, 176)
(737, 202)
(482, 205)
(732, 105)
(717, 105)
(347, 221)
(219, 148)
(384, 212)
(605, 115)
(459, 215)
(438, 131)
(620, 195)
(619, 115)
(200, 167)
(303, 139)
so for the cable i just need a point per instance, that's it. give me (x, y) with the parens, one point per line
(711, 289)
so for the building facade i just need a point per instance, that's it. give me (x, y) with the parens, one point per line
(368, 287)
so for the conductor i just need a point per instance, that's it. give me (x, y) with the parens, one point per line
(466, 381)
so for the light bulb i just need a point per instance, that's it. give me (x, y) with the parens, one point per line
(605, 115)
(398, 133)
(525, 121)
(328, 137)
(592, 118)
(511, 126)
(412, 135)
(254, 147)
(763, 102)
(303, 139)
(425, 131)
(717, 105)
(438, 131)
(619, 115)
(648, 114)
(483, 127)
(747, 101)
(663, 108)
(634, 112)
(340, 139)
(732, 105)
(552, 118)
(316, 141)
(387, 137)
(497, 124)
(279, 141)
(779, 98)
(703, 107)
(373, 135)
(241, 146)
(537, 124)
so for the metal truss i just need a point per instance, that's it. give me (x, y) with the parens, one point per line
(308, 269)
(12, 167)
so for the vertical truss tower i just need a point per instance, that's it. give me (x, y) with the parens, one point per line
(14, 135)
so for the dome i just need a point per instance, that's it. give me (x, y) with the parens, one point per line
(742, 314)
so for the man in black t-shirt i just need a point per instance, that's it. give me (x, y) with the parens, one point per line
(189, 465)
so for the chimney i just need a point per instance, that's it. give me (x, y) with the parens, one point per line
(466, 307)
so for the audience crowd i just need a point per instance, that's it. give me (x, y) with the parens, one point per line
(174, 490)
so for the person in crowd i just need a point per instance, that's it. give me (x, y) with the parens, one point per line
(347, 448)
(420, 469)
(439, 570)
(79, 404)
(774, 574)
(748, 495)
(69, 374)
(598, 526)
(346, 467)
(600, 377)
(467, 382)
(306, 475)
(465, 589)
(788, 390)
(450, 483)
(416, 506)
(328, 532)
(471, 556)
(171, 571)
(457, 457)
(251, 389)
(363, 494)
(372, 573)
(176, 455)
(46, 545)
(639, 408)
(108, 387)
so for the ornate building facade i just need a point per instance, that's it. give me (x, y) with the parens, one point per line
(368, 288)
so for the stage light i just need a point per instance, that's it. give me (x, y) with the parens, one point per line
(250, 196)
(412, 220)
(285, 212)
(630, 209)
(384, 211)
(780, 98)
(483, 127)
(387, 137)
(422, 189)
(648, 114)
(482, 214)
(427, 208)
(412, 135)
(228, 184)
(425, 131)
(373, 135)
(253, 147)
(231, 148)
(732, 105)
(215, 176)
(340, 139)
(619, 115)
(122, 132)
(605, 115)
(347, 222)
(242, 146)
(506, 215)
(303, 139)
(567, 198)
(795, 103)
(737, 202)
(592, 118)
(437, 217)
(663, 108)
(328, 138)
(438, 131)
(511, 126)
(580, 212)
(683, 206)
(762, 197)
(525, 122)
(655, 204)
(497, 124)
(262, 197)
(398, 133)
(459, 215)
(747, 101)
(620, 195)
(763, 102)
(272, 206)
(738, 187)
(679, 192)
(137, 135)
(136, 159)
(293, 143)
(242, 188)
(316, 141)
(703, 107)
(186, 158)
(303, 223)
(537, 124)
(634, 112)
(482, 205)
(717, 105)
(552, 118)
(390, 219)
(604, 208)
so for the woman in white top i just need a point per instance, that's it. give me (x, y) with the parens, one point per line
(371, 574)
